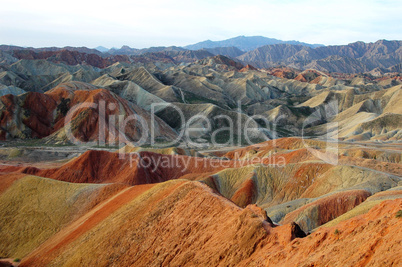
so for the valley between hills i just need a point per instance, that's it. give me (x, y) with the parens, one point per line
(221, 154)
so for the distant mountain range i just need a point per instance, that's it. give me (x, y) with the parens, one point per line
(380, 57)
(126, 50)
(245, 43)
(352, 58)
(242, 43)
(83, 49)
(102, 49)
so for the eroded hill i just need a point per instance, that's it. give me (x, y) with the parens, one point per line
(136, 207)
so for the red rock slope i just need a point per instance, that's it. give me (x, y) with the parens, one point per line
(37, 115)
(136, 168)
(185, 223)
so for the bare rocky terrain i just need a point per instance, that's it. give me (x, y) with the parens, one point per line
(172, 157)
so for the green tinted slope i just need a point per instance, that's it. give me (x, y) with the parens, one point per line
(34, 208)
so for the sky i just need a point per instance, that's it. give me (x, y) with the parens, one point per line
(141, 24)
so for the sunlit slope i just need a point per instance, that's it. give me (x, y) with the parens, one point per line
(34, 208)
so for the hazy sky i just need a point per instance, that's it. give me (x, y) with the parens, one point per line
(147, 23)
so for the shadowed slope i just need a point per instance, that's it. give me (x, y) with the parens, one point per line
(325, 209)
(363, 208)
